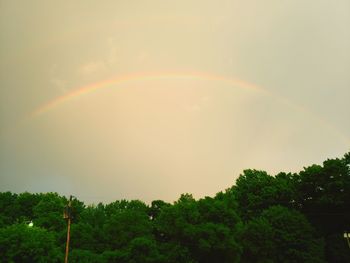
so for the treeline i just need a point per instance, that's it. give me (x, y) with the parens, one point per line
(284, 218)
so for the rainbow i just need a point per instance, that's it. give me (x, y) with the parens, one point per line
(144, 76)
(138, 76)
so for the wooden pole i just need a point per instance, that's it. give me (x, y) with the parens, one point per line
(67, 215)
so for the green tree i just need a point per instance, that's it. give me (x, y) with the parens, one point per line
(323, 194)
(256, 190)
(25, 203)
(89, 232)
(198, 231)
(21, 243)
(143, 249)
(82, 237)
(125, 221)
(280, 234)
(84, 256)
(8, 208)
(48, 213)
(156, 208)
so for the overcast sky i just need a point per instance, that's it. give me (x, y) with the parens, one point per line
(199, 91)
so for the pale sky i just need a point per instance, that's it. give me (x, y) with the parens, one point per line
(146, 100)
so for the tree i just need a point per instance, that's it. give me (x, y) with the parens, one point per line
(198, 231)
(8, 208)
(256, 190)
(21, 243)
(48, 213)
(156, 208)
(25, 203)
(92, 221)
(283, 218)
(126, 221)
(280, 234)
(82, 237)
(84, 256)
(143, 249)
(323, 194)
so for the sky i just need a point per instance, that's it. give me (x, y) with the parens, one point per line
(147, 100)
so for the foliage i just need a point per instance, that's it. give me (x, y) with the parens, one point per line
(21, 243)
(256, 191)
(262, 218)
(281, 235)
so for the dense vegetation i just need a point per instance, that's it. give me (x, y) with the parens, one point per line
(262, 218)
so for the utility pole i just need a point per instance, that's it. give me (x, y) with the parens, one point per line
(67, 214)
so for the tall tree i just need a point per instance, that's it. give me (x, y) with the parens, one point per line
(280, 234)
(21, 243)
(256, 190)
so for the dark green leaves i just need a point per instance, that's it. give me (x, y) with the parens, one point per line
(263, 218)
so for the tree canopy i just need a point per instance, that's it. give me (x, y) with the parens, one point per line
(298, 217)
